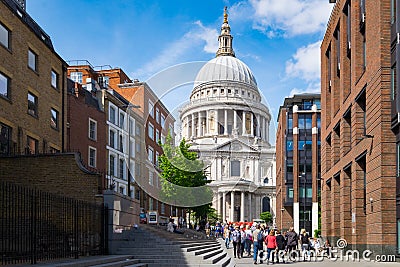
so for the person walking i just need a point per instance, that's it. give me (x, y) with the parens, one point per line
(281, 245)
(270, 241)
(227, 235)
(242, 240)
(236, 240)
(305, 243)
(257, 243)
(292, 240)
(249, 240)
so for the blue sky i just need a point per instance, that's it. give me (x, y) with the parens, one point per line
(278, 39)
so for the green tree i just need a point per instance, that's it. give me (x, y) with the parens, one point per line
(266, 216)
(183, 179)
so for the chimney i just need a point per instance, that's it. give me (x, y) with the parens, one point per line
(76, 89)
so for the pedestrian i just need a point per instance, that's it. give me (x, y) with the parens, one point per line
(208, 229)
(281, 246)
(305, 243)
(227, 235)
(257, 243)
(292, 240)
(327, 247)
(249, 240)
(270, 241)
(236, 241)
(242, 240)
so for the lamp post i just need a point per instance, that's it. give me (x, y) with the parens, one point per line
(129, 106)
(304, 179)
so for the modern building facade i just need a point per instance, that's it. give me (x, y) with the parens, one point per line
(228, 125)
(358, 153)
(32, 86)
(298, 169)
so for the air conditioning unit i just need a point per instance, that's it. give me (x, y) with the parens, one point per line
(363, 17)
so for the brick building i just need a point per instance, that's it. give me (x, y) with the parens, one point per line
(298, 163)
(32, 86)
(86, 127)
(358, 152)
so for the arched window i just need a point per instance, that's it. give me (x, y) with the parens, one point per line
(266, 204)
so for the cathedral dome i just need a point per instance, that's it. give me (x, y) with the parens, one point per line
(225, 68)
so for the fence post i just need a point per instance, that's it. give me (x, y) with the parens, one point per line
(76, 204)
(33, 227)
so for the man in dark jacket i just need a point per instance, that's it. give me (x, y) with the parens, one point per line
(281, 242)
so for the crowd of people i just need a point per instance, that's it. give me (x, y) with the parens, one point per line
(254, 241)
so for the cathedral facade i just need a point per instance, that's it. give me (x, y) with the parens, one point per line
(228, 125)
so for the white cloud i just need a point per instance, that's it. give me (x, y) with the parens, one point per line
(313, 88)
(173, 53)
(284, 17)
(305, 63)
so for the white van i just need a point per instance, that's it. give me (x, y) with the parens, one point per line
(259, 221)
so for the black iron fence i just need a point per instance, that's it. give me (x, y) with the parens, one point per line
(36, 226)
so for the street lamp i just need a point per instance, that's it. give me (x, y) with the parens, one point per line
(304, 179)
(130, 105)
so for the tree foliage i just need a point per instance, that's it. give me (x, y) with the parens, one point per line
(183, 178)
(266, 216)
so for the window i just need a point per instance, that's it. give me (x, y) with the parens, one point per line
(151, 178)
(137, 169)
(290, 192)
(151, 131)
(150, 154)
(151, 204)
(122, 121)
(157, 115)
(235, 168)
(32, 145)
(112, 165)
(171, 129)
(5, 35)
(289, 145)
(162, 120)
(4, 85)
(157, 155)
(131, 126)
(5, 139)
(54, 79)
(393, 83)
(112, 139)
(76, 77)
(157, 136)
(103, 81)
(138, 129)
(92, 129)
(163, 208)
(121, 169)
(32, 104)
(54, 118)
(92, 157)
(121, 143)
(162, 139)
(32, 60)
(151, 109)
(112, 115)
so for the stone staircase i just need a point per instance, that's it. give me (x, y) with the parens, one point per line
(156, 247)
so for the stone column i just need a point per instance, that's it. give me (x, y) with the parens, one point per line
(232, 206)
(218, 203)
(267, 130)
(223, 207)
(207, 126)
(252, 124)
(200, 124)
(258, 126)
(225, 122)
(244, 123)
(250, 208)
(216, 122)
(242, 206)
(193, 126)
(188, 128)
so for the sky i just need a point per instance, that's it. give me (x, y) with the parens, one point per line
(279, 40)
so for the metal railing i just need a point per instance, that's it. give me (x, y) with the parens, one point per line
(37, 226)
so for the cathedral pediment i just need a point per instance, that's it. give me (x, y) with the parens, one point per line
(235, 146)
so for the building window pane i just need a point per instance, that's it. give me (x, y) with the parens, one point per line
(122, 121)
(151, 109)
(151, 131)
(54, 79)
(162, 120)
(121, 169)
(5, 139)
(54, 118)
(112, 165)
(112, 114)
(157, 115)
(92, 157)
(290, 192)
(32, 60)
(150, 155)
(138, 130)
(76, 77)
(92, 129)
(235, 168)
(289, 145)
(32, 145)
(393, 84)
(112, 139)
(4, 86)
(4, 36)
(32, 104)
(151, 178)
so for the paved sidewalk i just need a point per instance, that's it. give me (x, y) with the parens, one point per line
(248, 261)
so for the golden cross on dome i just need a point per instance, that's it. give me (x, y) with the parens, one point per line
(225, 14)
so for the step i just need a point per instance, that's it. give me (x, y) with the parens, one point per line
(191, 243)
(198, 247)
(225, 262)
(212, 253)
(119, 263)
(205, 250)
(217, 257)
